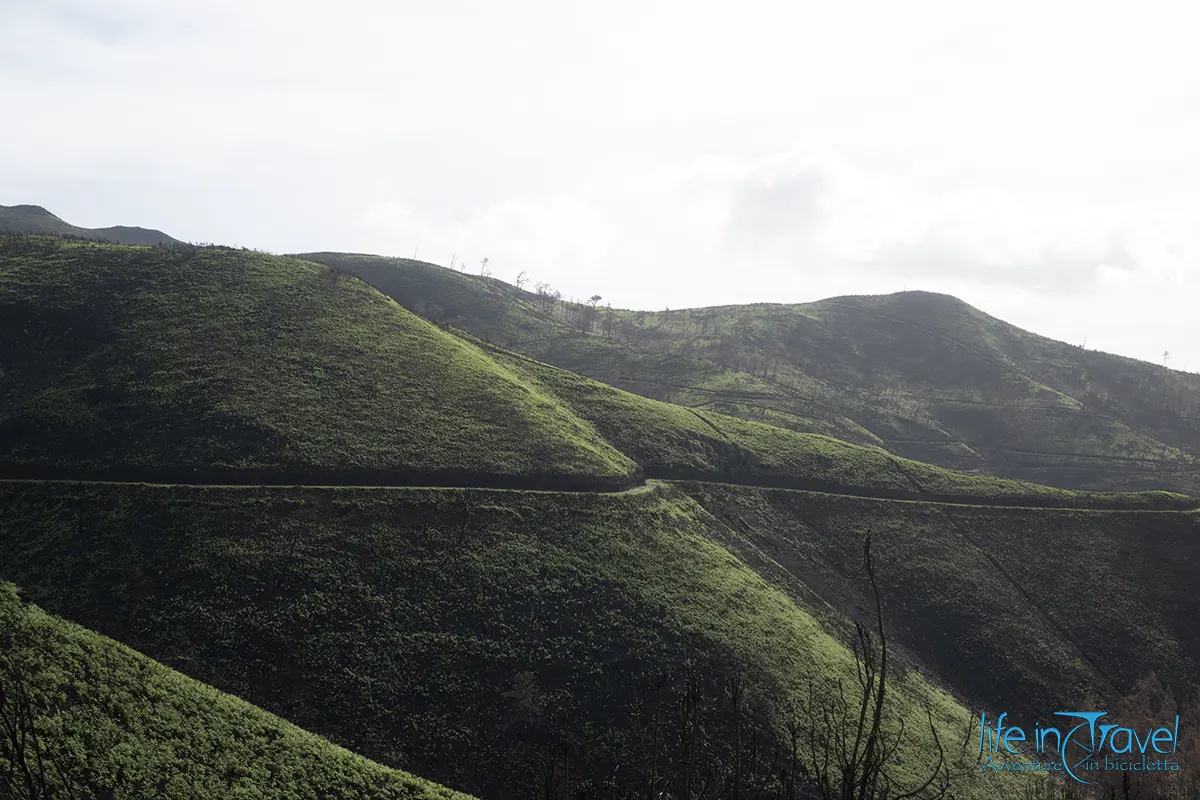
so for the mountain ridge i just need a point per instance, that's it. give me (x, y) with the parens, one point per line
(142, 364)
(33, 219)
(922, 374)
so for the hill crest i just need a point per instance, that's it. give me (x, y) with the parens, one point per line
(34, 219)
(921, 374)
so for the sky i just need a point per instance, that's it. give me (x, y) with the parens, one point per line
(1039, 160)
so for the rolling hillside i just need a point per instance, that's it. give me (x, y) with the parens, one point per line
(105, 721)
(264, 473)
(460, 634)
(37, 220)
(922, 375)
(1015, 608)
(464, 634)
(209, 365)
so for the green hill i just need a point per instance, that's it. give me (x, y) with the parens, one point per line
(105, 721)
(1015, 608)
(203, 365)
(206, 364)
(37, 220)
(922, 375)
(461, 634)
(465, 634)
(675, 442)
(268, 475)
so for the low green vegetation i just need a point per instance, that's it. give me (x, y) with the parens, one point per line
(922, 375)
(196, 363)
(92, 718)
(462, 634)
(341, 530)
(200, 365)
(1020, 609)
(672, 441)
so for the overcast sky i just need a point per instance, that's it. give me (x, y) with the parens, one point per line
(1039, 160)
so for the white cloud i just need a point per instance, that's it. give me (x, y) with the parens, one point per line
(1041, 160)
(798, 226)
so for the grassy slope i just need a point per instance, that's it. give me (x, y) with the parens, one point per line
(396, 608)
(206, 358)
(400, 622)
(196, 364)
(673, 441)
(1016, 608)
(1008, 388)
(113, 719)
(37, 220)
(924, 375)
(513, 319)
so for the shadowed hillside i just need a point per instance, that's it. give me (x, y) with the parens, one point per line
(461, 634)
(464, 634)
(922, 375)
(210, 365)
(415, 601)
(1016, 608)
(206, 363)
(37, 220)
(96, 719)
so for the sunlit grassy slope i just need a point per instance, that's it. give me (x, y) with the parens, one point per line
(216, 361)
(113, 723)
(673, 441)
(1016, 608)
(466, 634)
(206, 364)
(921, 374)
(462, 634)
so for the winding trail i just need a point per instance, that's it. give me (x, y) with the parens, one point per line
(641, 488)
(649, 485)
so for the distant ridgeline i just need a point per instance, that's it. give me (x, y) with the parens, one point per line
(922, 375)
(37, 220)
